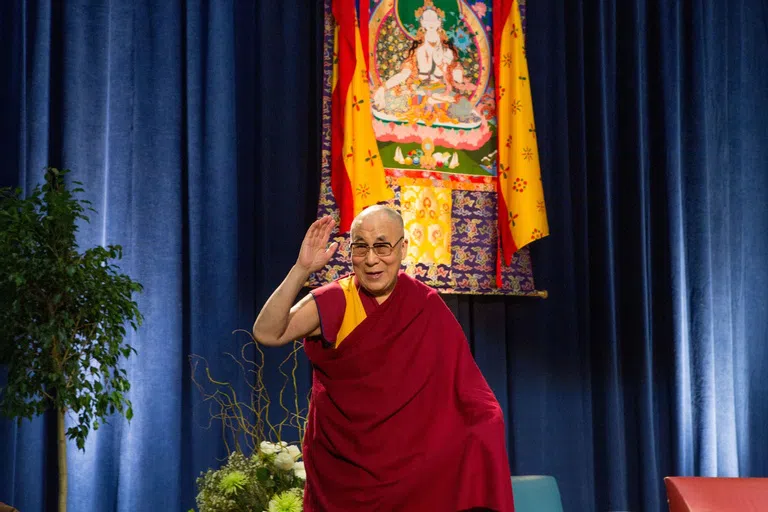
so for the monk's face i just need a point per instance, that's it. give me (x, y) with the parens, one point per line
(377, 273)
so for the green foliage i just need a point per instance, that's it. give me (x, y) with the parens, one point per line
(63, 313)
(264, 481)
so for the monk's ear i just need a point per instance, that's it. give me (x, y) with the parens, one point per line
(405, 250)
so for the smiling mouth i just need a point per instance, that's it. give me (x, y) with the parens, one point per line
(374, 275)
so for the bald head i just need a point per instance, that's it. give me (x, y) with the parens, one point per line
(379, 212)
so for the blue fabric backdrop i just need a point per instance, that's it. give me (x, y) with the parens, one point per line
(194, 126)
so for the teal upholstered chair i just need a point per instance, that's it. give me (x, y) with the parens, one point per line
(534, 493)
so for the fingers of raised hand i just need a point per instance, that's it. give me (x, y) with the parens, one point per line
(316, 230)
(328, 229)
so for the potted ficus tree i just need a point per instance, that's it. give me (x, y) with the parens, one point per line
(63, 316)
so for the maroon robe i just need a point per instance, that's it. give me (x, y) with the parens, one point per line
(401, 419)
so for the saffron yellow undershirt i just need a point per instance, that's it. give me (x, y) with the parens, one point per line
(354, 312)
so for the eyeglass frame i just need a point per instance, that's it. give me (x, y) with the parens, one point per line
(360, 245)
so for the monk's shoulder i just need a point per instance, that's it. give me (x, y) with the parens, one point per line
(328, 290)
(331, 303)
(425, 294)
(335, 289)
(414, 287)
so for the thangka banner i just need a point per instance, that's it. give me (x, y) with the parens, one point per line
(409, 101)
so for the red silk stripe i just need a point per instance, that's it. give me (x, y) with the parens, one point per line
(508, 246)
(365, 16)
(344, 14)
(502, 9)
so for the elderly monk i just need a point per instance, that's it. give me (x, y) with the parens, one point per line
(400, 417)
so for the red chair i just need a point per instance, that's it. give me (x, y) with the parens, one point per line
(703, 494)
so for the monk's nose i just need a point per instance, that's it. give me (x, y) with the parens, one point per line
(371, 258)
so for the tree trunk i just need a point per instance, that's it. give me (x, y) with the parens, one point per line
(62, 454)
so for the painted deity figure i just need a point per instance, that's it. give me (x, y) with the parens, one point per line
(431, 64)
(421, 85)
(431, 77)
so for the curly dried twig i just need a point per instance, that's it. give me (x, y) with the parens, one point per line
(247, 421)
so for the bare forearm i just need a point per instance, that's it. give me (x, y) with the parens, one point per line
(273, 319)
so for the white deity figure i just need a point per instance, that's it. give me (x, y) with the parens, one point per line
(427, 85)
(431, 66)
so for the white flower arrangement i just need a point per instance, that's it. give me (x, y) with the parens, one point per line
(272, 477)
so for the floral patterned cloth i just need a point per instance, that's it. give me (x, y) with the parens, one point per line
(450, 215)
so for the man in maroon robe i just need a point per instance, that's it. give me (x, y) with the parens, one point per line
(401, 419)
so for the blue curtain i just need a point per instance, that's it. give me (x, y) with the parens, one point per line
(195, 128)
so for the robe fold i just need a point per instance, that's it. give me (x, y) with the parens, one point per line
(401, 419)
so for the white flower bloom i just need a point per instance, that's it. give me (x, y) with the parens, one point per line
(268, 448)
(299, 471)
(284, 461)
(294, 451)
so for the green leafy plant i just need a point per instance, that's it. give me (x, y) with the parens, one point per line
(63, 316)
(271, 479)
